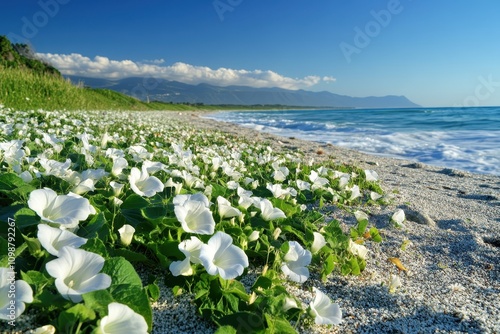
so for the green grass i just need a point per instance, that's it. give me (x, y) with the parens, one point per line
(24, 89)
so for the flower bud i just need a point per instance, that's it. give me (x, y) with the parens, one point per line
(126, 234)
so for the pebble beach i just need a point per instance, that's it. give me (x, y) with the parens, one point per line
(449, 244)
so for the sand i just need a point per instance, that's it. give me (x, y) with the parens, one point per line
(452, 234)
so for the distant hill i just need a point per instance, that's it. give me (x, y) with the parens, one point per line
(177, 92)
(22, 57)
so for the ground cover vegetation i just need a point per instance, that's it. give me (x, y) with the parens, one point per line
(86, 197)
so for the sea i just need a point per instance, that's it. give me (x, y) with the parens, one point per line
(465, 139)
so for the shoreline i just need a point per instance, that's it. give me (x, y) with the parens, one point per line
(398, 145)
(453, 237)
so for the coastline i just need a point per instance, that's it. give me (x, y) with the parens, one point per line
(452, 235)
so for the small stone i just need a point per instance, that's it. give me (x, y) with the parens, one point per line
(421, 218)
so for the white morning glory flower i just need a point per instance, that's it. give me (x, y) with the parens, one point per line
(193, 213)
(23, 294)
(122, 319)
(318, 243)
(126, 234)
(118, 165)
(303, 185)
(225, 208)
(324, 311)
(394, 283)
(117, 187)
(67, 210)
(296, 261)
(143, 184)
(357, 250)
(360, 216)
(77, 272)
(220, 256)
(268, 212)
(53, 239)
(191, 249)
(399, 217)
(371, 175)
(47, 329)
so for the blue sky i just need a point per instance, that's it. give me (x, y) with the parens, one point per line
(436, 53)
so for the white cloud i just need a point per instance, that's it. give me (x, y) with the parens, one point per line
(103, 67)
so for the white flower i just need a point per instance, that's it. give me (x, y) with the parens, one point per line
(394, 283)
(360, 216)
(191, 249)
(122, 319)
(177, 186)
(12, 306)
(318, 243)
(296, 261)
(357, 250)
(324, 311)
(220, 256)
(53, 239)
(225, 208)
(193, 213)
(84, 186)
(398, 217)
(126, 234)
(143, 184)
(355, 193)
(375, 196)
(26, 176)
(254, 236)
(268, 212)
(66, 210)
(47, 329)
(371, 175)
(303, 185)
(289, 303)
(117, 187)
(318, 182)
(77, 272)
(118, 165)
(279, 192)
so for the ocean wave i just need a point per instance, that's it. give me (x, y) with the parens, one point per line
(475, 149)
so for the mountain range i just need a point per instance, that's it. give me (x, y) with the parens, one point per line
(151, 89)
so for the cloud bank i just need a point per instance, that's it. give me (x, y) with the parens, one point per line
(103, 67)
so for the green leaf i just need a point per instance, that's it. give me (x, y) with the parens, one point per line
(226, 330)
(26, 217)
(91, 230)
(154, 212)
(98, 301)
(362, 226)
(153, 291)
(68, 319)
(9, 182)
(278, 325)
(130, 255)
(131, 209)
(121, 272)
(376, 237)
(95, 246)
(262, 282)
(243, 322)
(328, 267)
(134, 297)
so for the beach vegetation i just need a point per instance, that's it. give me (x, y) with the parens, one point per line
(204, 208)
